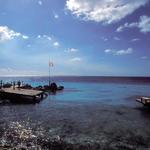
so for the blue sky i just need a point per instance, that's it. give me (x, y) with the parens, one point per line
(81, 37)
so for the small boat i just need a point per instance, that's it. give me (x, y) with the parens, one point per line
(144, 100)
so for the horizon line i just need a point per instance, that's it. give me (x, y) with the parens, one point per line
(74, 76)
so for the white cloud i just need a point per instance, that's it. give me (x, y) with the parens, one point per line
(8, 34)
(56, 44)
(39, 36)
(119, 52)
(44, 36)
(104, 39)
(107, 11)
(127, 25)
(25, 37)
(47, 37)
(76, 59)
(135, 39)
(40, 2)
(144, 57)
(108, 51)
(71, 50)
(116, 38)
(143, 25)
(56, 16)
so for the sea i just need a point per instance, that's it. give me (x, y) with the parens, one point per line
(91, 89)
(90, 108)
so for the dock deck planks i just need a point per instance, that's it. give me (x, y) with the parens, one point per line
(23, 92)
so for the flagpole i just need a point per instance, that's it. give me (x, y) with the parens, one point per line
(49, 71)
(49, 76)
(50, 65)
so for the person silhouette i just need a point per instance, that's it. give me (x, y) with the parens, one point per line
(19, 83)
(14, 84)
(1, 84)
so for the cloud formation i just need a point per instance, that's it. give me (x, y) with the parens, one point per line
(76, 59)
(117, 38)
(56, 44)
(25, 37)
(144, 57)
(69, 50)
(143, 25)
(56, 16)
(8, 34)
(119, 52)
(106, 11)
(135, 39)
(104, 39)
(40, 2)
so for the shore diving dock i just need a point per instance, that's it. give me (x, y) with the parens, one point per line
(144, 100)
(20, 94)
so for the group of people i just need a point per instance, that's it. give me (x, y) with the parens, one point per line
(13, 84)
(18, 84)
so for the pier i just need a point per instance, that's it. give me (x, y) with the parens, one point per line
(144, 100)
(19, 94)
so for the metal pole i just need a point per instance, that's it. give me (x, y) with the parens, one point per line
(49, 73)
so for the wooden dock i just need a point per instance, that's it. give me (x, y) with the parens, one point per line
(144, 100)
(21, 94)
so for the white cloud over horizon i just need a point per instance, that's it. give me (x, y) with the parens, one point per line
(76, 59)
(8, 34)
(19, 72)
(143, 25)
(103, 10)
(119, 52)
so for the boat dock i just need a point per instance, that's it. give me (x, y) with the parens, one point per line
(19, 93)
(144, 100)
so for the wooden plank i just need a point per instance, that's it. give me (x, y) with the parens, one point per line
(19, 91)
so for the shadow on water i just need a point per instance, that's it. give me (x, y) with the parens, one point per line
(21, 100)
(145, 111)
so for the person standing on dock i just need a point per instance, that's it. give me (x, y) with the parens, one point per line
(1, 84)
(19, 83)
(14, 85)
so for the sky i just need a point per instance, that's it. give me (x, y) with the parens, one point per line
(80, 37)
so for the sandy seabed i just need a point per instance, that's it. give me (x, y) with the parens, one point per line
(78, 127)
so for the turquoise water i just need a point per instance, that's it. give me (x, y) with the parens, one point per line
(106, 90)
